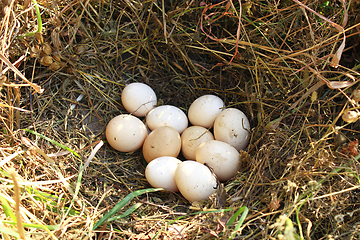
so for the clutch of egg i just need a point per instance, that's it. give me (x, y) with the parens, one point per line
(209, 157)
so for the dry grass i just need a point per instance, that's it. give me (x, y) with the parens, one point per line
(300, 177)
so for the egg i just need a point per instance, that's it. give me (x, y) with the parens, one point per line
(191, 138)
(167, 115)
(138, 99)
(223, 158)
(203, 111)
(195, 181)
(126, 133)
(163, 141)
(233, 127)
(160, 173)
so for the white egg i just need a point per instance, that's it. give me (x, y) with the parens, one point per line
(191, 138)
(203, 110)
(195, 181)
(163, 141)
(223, 158)
(126, 133)
(160, 173)
(138, 99)
(167, 115)
(233, 127)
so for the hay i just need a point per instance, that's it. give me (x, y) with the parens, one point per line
(300, 173)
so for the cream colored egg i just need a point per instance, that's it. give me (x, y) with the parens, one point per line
(223, 158)
(163, 141)
(195, 181)
(203, 111)
(160, 173)
(233, 127)
(126, 133)
(167, 115)
(191, 138)
(138, 99)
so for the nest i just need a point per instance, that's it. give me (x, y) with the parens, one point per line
(64, 65)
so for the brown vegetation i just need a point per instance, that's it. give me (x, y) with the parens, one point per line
(63, 67)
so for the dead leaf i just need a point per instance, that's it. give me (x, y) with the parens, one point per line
(339, 84)
(351, 149)
(336, 59)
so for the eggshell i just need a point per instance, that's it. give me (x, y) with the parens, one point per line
(195, 181)
(191, 138)
(203, 111)
(138, 99)
(163, 141)
(223, 158)
(233, 127)
(160, 173)
(126, 133)
(167, 115)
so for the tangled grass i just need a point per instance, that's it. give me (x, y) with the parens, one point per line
(65, 63)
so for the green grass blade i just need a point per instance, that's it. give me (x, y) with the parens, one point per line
(39, 20)
(7, 208)
(37, 226)
(77, 189)
(9, 231)
(234, 217)
(53, 142)
(50, 201)
(298, 219)
(38, 16)
(126, 213)
(241, 221)
(122, 203)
